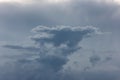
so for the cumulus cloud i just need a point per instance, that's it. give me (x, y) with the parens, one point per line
(55, 44)
(58, 35)
(53, 47)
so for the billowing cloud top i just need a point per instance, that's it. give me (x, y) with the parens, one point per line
(58, 35)
(65, 28)
(56, 43)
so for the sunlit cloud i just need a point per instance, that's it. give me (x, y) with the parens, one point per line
(57, 1)
(16, 1)
(11, 1)
(117, 1)
(31, 1)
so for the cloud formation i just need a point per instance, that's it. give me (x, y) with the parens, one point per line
(54, 46)
(58, 35)
(57, 43)
(21, 47)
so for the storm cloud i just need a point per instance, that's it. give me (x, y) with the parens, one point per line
(56, 51)
(54, 46)
(68, 35)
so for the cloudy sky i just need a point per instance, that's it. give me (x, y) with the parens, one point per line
(59, 39)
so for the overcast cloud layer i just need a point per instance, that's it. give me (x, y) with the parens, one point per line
(60, 40)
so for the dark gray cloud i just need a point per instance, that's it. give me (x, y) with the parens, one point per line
(20, 18)
(93, 75)
(53, 62)
(68, 35)
(54, 46)
(34, 71)
(18, 47)
(94, 60)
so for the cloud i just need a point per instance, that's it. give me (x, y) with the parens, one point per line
(18, 47)
(93, 75)
(58, 35)
(76, 12)
(94, 60)
(54, 62)
(53, 47)
(18, 19)
(57, 43)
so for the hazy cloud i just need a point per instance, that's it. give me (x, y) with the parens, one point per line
(77, 12)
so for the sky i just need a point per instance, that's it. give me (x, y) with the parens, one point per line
(59, 39)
